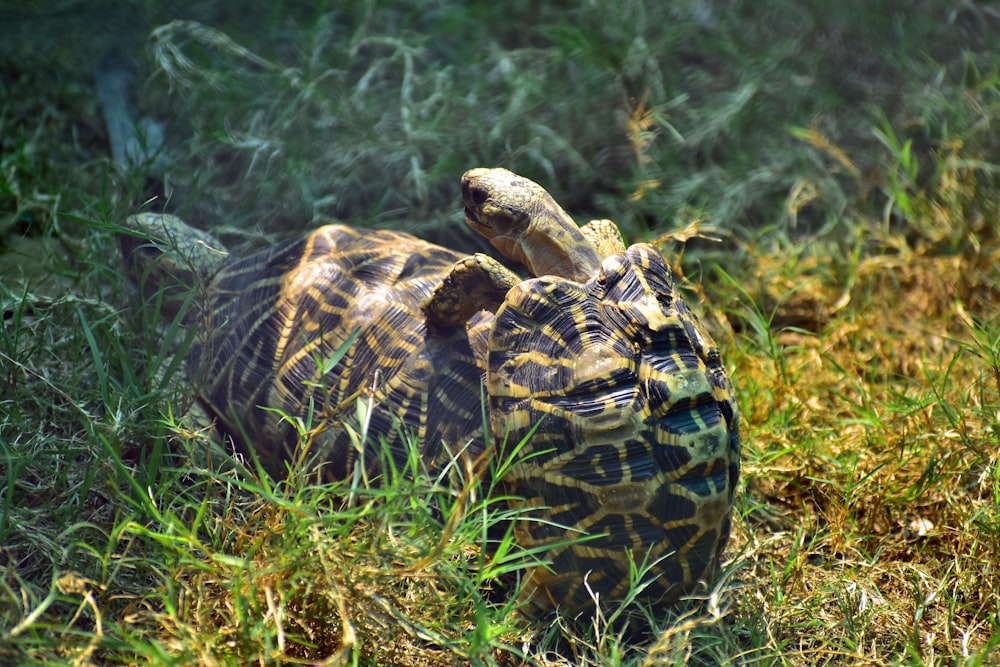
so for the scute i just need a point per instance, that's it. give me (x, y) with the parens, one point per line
(646, 464)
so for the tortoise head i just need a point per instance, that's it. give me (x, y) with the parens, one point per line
(631, 432)
(166, 258)
(526, 224)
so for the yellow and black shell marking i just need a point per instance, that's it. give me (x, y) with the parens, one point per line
(275, 319)
(636, 443)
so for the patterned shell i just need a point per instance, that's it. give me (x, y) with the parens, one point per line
(276, 320)
(632, 431)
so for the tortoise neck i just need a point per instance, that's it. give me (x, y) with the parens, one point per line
(554, 246)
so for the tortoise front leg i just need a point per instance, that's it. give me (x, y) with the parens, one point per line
(474, 283)
(605, 236)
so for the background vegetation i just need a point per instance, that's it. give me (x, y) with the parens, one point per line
(843, 155)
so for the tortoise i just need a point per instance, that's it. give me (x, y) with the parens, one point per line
(602, 388)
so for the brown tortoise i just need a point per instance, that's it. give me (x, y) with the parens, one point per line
(629, 417)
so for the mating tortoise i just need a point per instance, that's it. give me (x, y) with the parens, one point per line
(629, 416)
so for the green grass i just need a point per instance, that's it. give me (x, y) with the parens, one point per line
(846, 158)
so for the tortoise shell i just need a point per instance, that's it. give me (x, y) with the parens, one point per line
(631, 430)
(274, 322)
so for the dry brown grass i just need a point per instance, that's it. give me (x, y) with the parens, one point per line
(872, 483)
